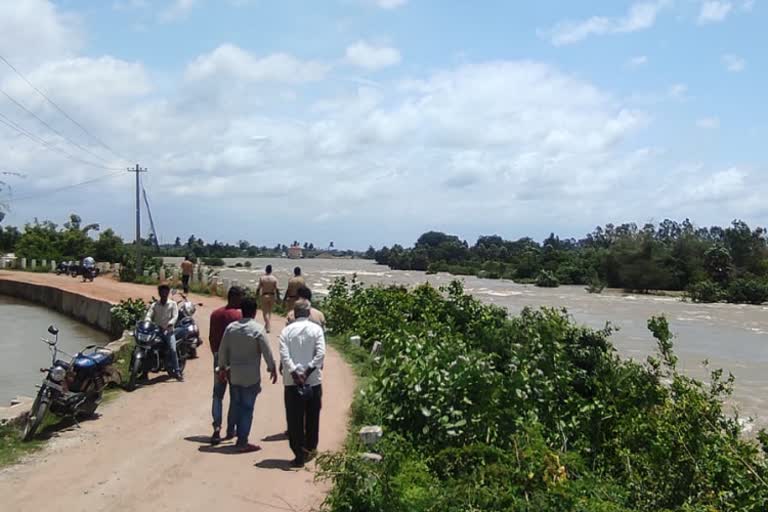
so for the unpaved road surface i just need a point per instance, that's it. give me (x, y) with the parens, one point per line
(149, 449)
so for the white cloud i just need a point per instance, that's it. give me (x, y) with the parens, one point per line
(125, 5)
(638, 61)
(678, 91)
(641, 16)
(177, 10)
(35, 30)
(368, 56)
(714, 11)
(230, 61)
(748, 5)
(708, 123)
(733, 63)
(391, 4)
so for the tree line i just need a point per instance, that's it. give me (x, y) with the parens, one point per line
(711, 263)
(74, 240)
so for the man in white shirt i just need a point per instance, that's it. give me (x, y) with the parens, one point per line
(164, 314)
(302, 352)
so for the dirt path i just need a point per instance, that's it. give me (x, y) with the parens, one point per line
(149, 449)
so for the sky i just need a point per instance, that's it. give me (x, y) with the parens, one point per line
(369, 122)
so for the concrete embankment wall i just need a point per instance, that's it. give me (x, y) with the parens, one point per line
(94, 312)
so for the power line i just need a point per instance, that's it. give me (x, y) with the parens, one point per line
(9, 122)
(54, 130)
(61, 110)
(66, 187)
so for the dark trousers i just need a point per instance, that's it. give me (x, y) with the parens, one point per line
(185, 283)
(303, 420)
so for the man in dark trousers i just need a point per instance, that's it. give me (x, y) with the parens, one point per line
(302, 352)
(220, 319)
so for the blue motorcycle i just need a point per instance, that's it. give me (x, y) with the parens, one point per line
(70, 389)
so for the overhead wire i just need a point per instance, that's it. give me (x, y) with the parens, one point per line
(65, 187)
(54, 130)
(10, 123)
(61, 110)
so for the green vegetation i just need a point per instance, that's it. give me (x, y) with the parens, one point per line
(12, 448)
(127, 312)
(667, 256)
(214, 262)
(486, 412)
(547, 279)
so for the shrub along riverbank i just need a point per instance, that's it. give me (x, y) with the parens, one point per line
(487, 412)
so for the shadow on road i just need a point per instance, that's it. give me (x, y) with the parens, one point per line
(282, 436)
(284, 465)
(199, 439)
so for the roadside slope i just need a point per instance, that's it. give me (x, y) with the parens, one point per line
(149, 451)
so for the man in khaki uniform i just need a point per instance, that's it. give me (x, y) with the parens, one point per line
(268, 293)
(315, 315)
(292, 293)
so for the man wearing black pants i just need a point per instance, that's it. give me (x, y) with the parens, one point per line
(302, 351)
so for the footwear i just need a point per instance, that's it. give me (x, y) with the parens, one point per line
(230, 436)
(297, 463)
(179, 376)
(309, 455)
(248, 448)
(215, 438)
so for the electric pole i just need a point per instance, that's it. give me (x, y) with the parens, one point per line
(138, 170)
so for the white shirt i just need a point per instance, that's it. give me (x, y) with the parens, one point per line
(89, 262)
(302, 346)
(163, 315)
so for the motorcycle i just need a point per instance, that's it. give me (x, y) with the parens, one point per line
(89, 273)
(78, 270)
(151, 354)
(62, 268)
(186, 328)
(73, 388)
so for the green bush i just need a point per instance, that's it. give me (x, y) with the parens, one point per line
(595, 286)
(547, 279)
(127, 312)
(706, 291)
(487, 412)
(214, 262)
(747, 291)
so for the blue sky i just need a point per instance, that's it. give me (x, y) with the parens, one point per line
(371, 121)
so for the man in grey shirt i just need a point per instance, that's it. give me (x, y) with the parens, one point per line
(242, 348)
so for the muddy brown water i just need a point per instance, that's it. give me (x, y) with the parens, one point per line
(22, 354)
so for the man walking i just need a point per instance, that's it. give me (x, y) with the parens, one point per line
(292, 292)
(164, 314)
(187, 267)
(302, 352)
(220, 320)
(269, 293)
(240, 354)
(315, 315)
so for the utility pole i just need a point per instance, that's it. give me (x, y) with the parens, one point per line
(137, 170)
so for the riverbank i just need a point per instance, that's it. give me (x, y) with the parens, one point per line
(149, 449)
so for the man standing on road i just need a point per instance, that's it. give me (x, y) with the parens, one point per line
(302, 352)
(292, 292)
(187, 267)
(220, 320)
(164, 314)
(244, 344)
(268, 293)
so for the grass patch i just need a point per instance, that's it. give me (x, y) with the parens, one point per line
(12, 448)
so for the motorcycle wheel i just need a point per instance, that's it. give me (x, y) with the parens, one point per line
(135, 372)
(89, 407)
(192, 353)
(35, 417)
(182, 362)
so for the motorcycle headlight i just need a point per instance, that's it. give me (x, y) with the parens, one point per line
(143, 337)
(57, 374)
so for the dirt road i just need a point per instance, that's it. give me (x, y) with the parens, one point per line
(149, 449)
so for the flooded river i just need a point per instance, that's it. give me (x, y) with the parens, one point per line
(733, 337)
(22, 354)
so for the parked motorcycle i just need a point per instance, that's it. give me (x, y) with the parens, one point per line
(186, 328)
(62, 268)
(151, 354)
(73, 388)
(78, 270)
(89, 273)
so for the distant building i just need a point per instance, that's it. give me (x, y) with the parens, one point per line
(295, 252)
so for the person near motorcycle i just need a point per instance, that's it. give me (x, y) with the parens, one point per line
(220, 320)
(164, 314)
(89, 266)
(187, 268)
